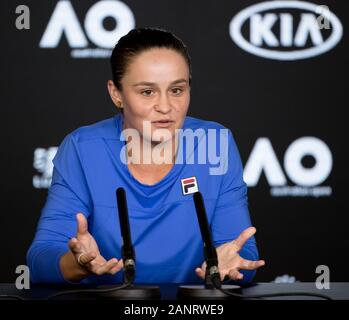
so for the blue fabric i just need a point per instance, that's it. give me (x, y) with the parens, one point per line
(163, 222)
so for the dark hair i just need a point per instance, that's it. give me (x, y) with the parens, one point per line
(139, 40)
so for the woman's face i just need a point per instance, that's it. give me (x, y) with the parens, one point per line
(155, 88)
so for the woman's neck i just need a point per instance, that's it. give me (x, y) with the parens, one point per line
(153, 153)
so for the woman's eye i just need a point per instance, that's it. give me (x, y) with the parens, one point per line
(177, 91)
(147, 93)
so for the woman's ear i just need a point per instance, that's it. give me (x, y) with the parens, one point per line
(115, 94)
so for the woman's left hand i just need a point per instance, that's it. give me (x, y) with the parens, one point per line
(229, 260)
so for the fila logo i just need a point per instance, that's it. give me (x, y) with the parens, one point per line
(189, 185)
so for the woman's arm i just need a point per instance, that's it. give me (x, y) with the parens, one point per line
(62, 236)
(231, 216)
(67, 195)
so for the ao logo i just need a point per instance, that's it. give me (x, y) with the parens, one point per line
(263, 158)
(64, 20)
(290, 35)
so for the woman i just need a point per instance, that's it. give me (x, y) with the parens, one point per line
(78, 237)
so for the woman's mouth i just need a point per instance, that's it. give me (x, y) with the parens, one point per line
(163, 123)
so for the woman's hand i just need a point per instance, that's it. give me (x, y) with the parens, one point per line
(229, 260)
(84, 257)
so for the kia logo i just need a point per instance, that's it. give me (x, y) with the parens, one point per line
(295, 32)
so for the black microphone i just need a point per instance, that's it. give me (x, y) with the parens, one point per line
(212, 287)
(127, 290)
(127, 250)
(212, 278)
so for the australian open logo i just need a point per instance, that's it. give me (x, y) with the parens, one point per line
(307, 164)
(286, 30)
(104, 24)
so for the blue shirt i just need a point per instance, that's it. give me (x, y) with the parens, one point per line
(163, 222)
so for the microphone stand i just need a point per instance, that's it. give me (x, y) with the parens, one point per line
(212, 277)
(129, 290)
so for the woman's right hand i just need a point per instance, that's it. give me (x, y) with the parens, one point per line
(84, 257)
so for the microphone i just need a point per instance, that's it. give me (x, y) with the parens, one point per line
(127, 290)
(129, 258)
(127, 250)
(213, 288)
(212, 277)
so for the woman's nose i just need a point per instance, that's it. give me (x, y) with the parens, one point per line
(163, 104)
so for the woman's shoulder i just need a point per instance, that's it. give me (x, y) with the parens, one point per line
(103, 129)
(198, 123)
